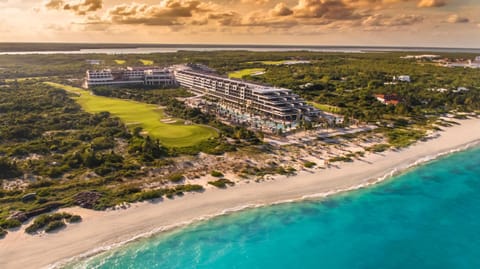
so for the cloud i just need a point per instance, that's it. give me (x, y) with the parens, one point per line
(56, 27)
(455, 18)
(432, 3)
(78, 7)
(54, 4)
(280, 10)
(380, 20)
(259, 19)
(168, 12)
(254, 19)
(226, 18)
(327, 9)
(256, 2)
(279, 16)
(84, 7)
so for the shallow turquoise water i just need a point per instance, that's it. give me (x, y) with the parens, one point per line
(426, 218)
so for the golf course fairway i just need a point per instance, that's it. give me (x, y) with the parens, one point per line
(147, 116)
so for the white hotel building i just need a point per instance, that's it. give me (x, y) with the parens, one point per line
(129, 76)
(275, 103)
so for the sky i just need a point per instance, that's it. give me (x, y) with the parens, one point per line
(435, 23)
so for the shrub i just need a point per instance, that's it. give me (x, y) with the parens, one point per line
(10, 224)
(41, 184)
(32, 229)
(58, 216)
(379, 148)
(150, 194)
(47, 221)
(54, 225)
(189, 188)
(309, 164)
(101, 143)
(221, 183)
(3, 233)
(8, 169)
(341, 159)
(216, 174)
(128, 189)
(103, 170)
(400, 138)
(291, 170)
(75, 219)
(177, 177)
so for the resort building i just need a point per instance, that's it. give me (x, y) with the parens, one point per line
(402, 78)
(129, 76)
(475, 63)
(275, 103)
(388, 99)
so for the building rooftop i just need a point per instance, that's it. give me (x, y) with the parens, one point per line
(255, 87)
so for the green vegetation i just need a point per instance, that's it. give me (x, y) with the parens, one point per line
(221, 183)
(326, 108)
(146, 62)
(341, 159)
(147, 116)
(54, 226)
(269, 62)
(8, 169)
(74, 219)
(10, 224)
(48, 222)
(3, 233)
(401, 137)
(245, 72)
(68, 153)
(216, 174)
(379, 148)
(309, 164)
(176, 177)
(288, 171)
(271, 168)
(169, 192)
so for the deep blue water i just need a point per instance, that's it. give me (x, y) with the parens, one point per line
(428, 217)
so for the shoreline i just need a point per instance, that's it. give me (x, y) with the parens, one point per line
(100, 231)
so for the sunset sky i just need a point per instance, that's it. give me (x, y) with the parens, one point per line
(443, 23)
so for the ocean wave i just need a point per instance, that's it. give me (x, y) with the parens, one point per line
(85, 257)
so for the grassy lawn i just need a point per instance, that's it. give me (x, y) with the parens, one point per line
(276, 62)
(245, 72)
(269, 62)
(120, 62)
(9, 80)
(146, 62)
(144, 115)
(326, 108)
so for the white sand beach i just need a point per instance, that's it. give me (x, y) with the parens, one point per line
(102, 229)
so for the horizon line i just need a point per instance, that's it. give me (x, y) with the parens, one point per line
(236, 45)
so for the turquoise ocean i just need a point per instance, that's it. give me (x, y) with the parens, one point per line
(427, 217)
